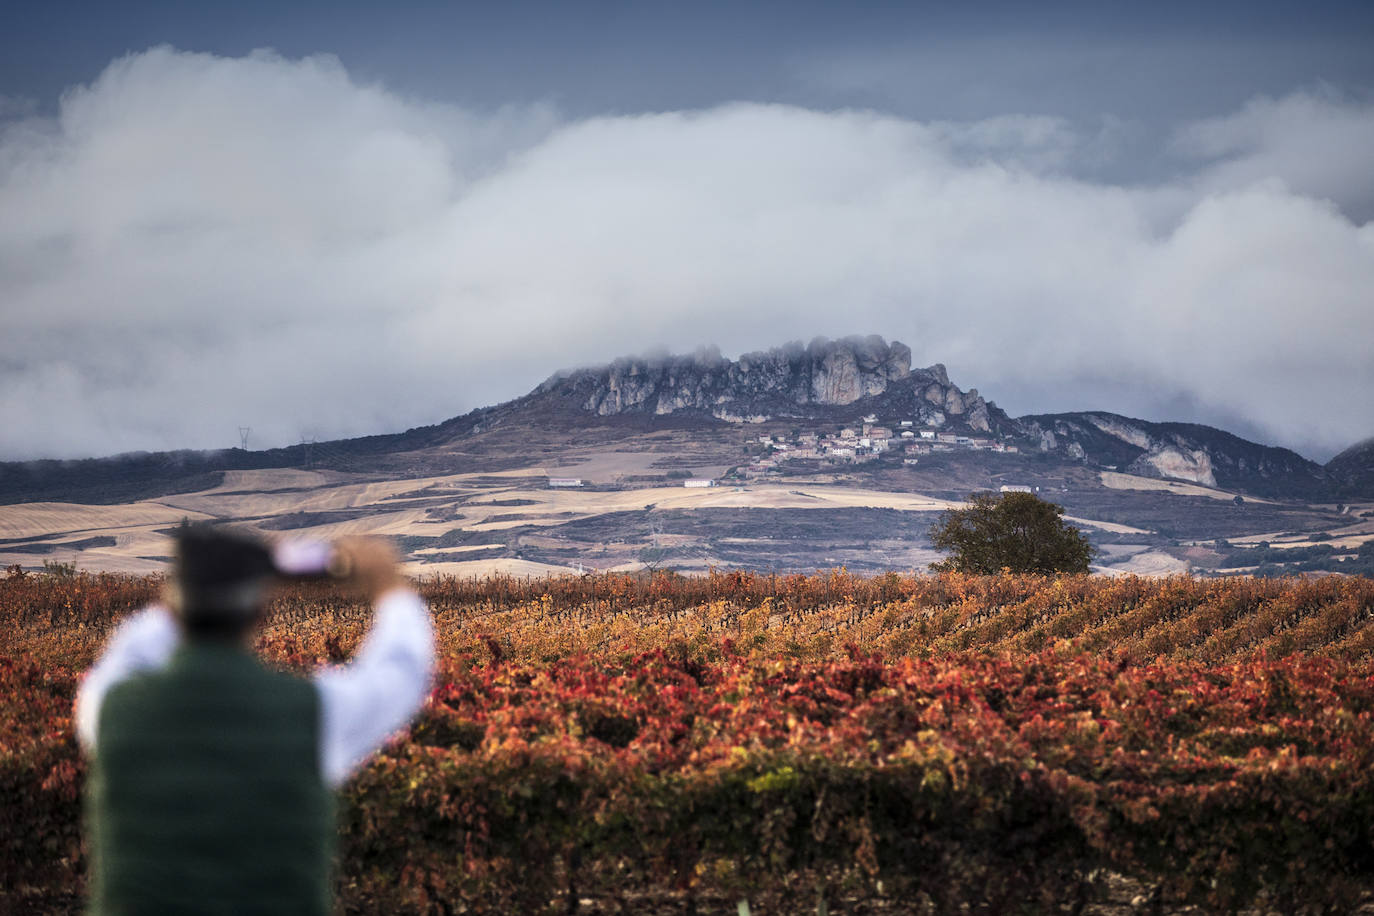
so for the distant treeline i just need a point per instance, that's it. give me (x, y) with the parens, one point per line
(1286, 561)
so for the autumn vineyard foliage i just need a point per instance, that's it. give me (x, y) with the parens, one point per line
(888, 744)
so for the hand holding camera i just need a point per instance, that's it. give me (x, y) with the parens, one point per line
(368, 563)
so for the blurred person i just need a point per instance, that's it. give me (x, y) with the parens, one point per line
(212, 778)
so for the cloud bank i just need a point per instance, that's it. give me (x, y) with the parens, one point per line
(199, 243)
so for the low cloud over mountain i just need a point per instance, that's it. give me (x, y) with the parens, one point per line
(196, 243)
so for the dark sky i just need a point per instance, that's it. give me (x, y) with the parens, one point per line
(323, 219)
(924, 60)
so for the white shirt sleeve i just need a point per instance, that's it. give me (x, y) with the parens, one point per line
(141, 643)
(364, 702)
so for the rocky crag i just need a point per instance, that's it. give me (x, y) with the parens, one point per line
(824, 379)
(1178, 451)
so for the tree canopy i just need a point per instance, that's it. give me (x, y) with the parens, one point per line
(1015, 531)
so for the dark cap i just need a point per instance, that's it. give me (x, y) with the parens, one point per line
(220, 573)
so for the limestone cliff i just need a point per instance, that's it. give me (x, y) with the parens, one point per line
(829, 378)
(1177, 451)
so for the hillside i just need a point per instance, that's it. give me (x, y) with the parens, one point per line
(1180, 451)
(829, 454)
(1353, 469)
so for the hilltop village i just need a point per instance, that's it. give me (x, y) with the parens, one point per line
(862, 442)
(868, 439)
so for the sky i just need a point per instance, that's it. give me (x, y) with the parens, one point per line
(323, 220)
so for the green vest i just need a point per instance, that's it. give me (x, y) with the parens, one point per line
(206, 794)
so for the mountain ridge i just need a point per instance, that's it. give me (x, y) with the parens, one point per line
(822, 379)
(1191, 452)
(824, 382)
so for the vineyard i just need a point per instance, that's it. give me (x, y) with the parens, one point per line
(896, 744)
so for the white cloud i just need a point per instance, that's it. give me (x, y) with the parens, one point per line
(197, 243)
(1316, 144)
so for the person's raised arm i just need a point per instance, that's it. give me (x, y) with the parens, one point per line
(141, 643)
(364, 702)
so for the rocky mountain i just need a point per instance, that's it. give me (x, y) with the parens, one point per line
(1353, 469)
(841, 379)
(826, 378)
(832, 382)
(1179, 451)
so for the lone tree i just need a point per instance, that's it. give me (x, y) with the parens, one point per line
(1015, 531)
